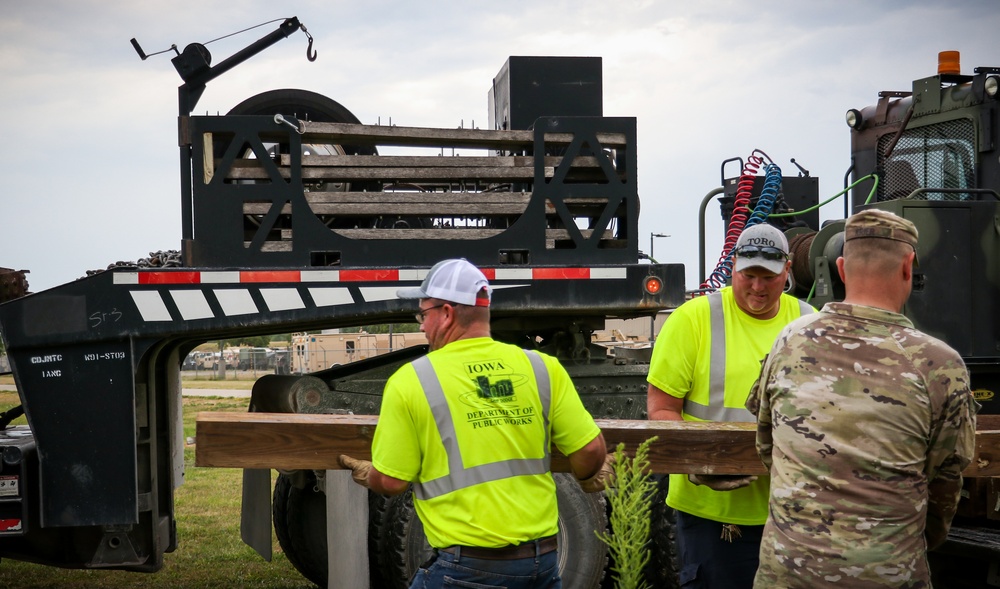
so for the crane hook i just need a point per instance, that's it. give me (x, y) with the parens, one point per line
(310, 52)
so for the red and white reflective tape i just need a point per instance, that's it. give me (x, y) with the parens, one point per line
(279, 289)
(368, 275)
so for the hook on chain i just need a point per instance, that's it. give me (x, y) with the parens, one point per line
(310, 52)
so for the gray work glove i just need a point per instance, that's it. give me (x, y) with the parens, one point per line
(722, 482)
(600, 479)
(359, 468)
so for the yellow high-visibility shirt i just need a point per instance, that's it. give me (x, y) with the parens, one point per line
(681, 367)
(497, 415)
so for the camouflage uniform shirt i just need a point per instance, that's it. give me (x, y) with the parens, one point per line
(866, 424)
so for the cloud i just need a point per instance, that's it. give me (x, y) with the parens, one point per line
(89, 160)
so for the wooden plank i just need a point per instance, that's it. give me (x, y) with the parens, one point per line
(420, 209)
(349, 134)
(468, 173)
(428, 197)
(423, 203)
(427, 161)
(298, 441)
(450, 233)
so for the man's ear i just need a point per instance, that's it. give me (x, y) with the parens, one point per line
(908, 266)
(840, 269)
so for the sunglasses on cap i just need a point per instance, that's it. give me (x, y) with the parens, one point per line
(757, 251)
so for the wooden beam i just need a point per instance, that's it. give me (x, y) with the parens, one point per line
(300, 441)
(424, 161)
(350, 134)
(467, 173)
(447, 209)
(425, 204)
(453, 233)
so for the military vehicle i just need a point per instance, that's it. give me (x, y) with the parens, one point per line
(293, 221)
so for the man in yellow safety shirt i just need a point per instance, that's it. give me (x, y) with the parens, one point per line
(705, 359)
(470, 425)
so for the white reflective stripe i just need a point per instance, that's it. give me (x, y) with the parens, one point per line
(458, 476)
(328, 297)
(191, 304)
(372, 294)
(235, 301)
(599, 273)
(544, 393)
(431, 385)
(700, 411)
(150, 305)
(716, 409)
(282, 299)
(513, 274)
(221, 277)
(319, 276)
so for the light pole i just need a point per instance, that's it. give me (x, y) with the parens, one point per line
(651, 236)
(652, 260)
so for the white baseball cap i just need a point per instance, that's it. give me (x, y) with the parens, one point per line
(455, 281)
(762, 246)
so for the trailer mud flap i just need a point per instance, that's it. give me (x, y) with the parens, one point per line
(346, 531)
(255, 515)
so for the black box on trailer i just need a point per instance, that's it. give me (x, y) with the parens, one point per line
(530, 87)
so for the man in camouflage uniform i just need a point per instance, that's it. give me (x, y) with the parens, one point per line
(866, 424)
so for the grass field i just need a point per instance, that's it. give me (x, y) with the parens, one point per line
(199, 380)
(210, 554)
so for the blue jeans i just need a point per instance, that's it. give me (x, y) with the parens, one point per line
(455, 570)
(708, 561)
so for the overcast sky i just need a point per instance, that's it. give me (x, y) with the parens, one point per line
(88, 162)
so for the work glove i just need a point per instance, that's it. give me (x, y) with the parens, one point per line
(600, 479)
(722, 482)
(359, 468)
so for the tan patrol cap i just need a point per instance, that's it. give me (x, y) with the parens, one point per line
(882, 225)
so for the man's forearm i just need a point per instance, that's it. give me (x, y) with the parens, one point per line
(586, 461)
(942, 503)
(385, 484)
(663, 407)
(665, 415)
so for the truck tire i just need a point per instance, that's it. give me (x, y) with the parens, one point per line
(300, 525)
(664, 566)
(582, 556)
(377, 520)
(403, 547)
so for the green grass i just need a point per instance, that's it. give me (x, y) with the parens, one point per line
(210, 554)
(198, 380)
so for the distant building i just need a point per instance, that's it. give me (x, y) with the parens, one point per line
(313, 352)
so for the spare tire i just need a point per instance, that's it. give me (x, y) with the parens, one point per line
(307, 106)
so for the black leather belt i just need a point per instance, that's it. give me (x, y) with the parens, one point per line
(525, 550)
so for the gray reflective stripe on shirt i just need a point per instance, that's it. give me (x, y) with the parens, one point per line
(458, 476)
(716, 409)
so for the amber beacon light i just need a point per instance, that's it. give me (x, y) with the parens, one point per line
(949, 63)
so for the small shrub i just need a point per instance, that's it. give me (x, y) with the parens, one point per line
(629, 499)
